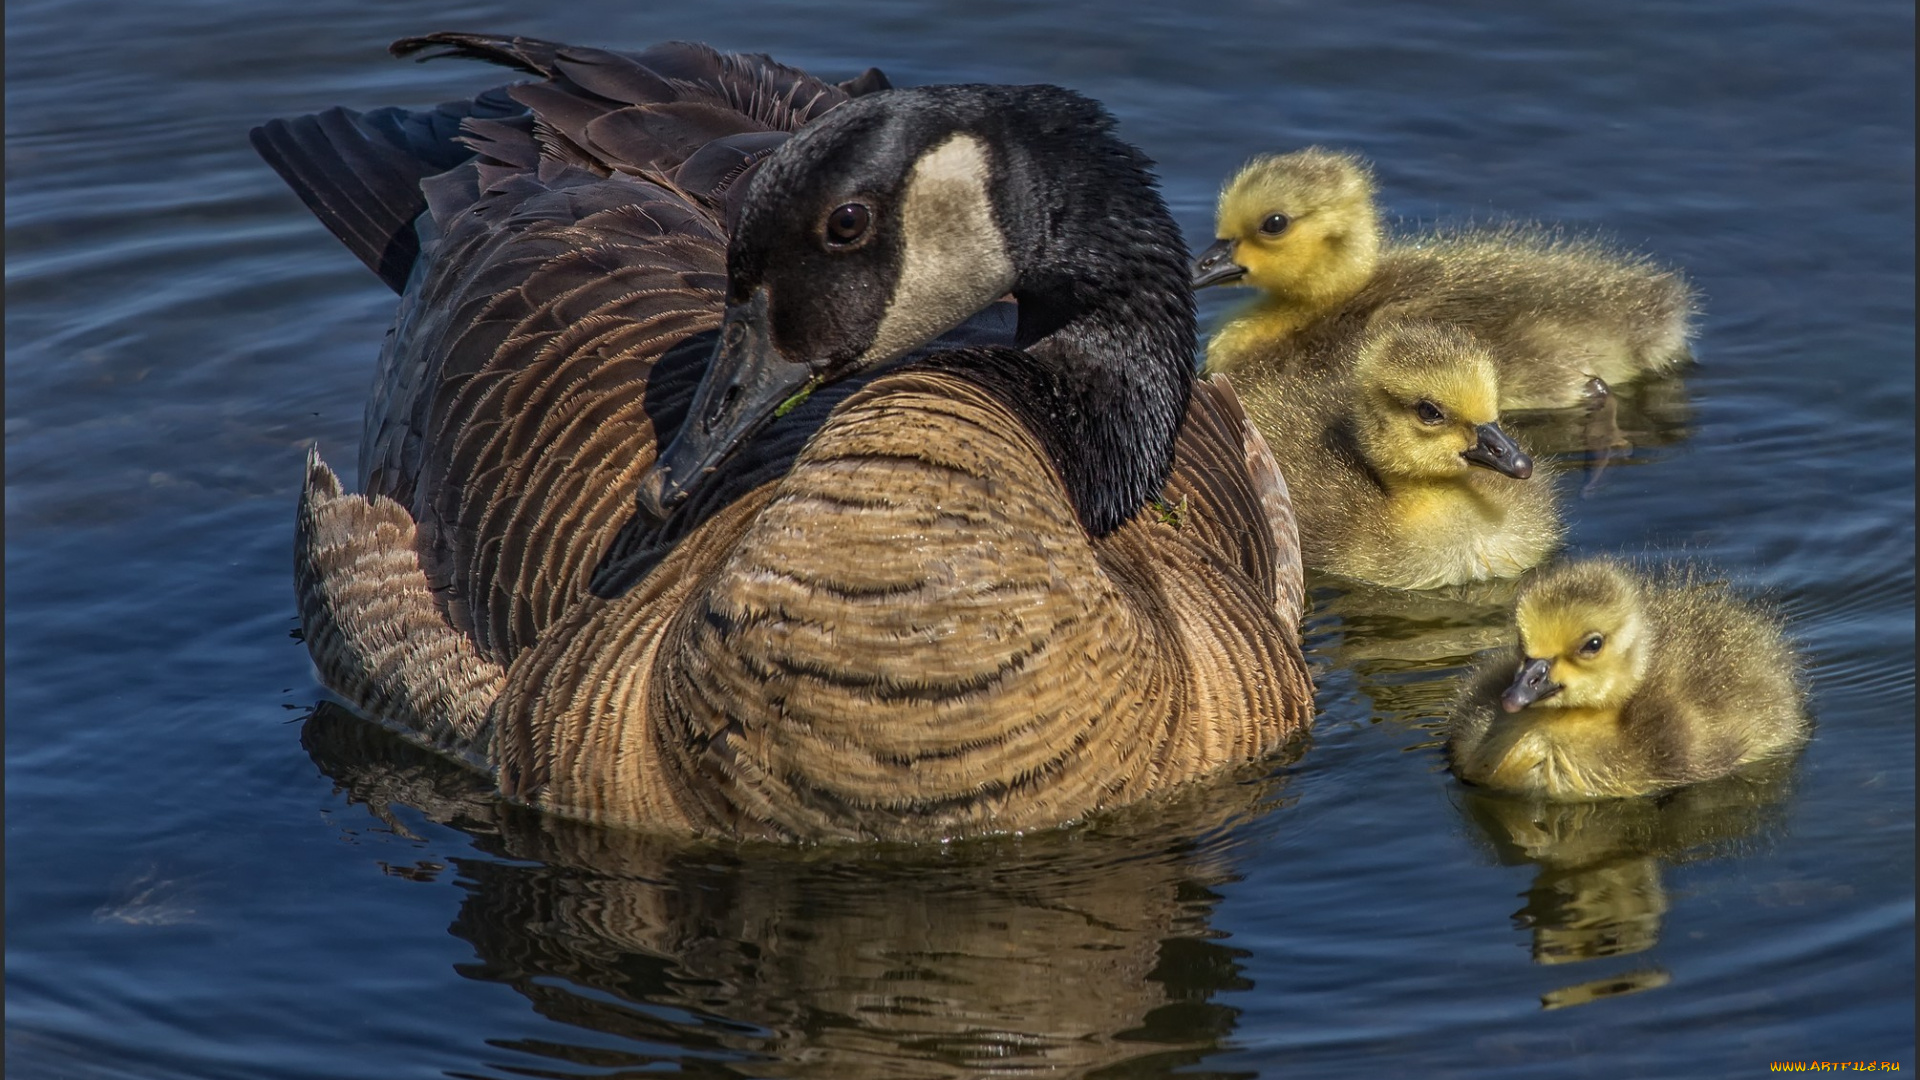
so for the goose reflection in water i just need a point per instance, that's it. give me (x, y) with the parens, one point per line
(1598, 890)
(1058, 952)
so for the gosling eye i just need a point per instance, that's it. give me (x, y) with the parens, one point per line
(1275, 224)
(1429, 413)
(847, 225)
(1591, 646)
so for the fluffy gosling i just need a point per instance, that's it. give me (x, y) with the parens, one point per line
(1562, 318)
(1628, 684)
(1400, 473)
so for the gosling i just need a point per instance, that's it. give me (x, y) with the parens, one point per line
(1400, 473)
(1563, 318)
(1628, 684)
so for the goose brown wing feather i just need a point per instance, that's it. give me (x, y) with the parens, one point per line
(531, 55)
(661, 137)
(754, 85)
(620, 77)
(360, 173)
(535, 430)
(1241, 508)
(503, 142)
(558, 112)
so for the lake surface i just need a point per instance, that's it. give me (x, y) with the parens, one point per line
(202, 881)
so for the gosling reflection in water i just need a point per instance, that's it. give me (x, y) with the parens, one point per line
(1404, 647)
(1598, 891)
(1056, 953)
(1652, 412)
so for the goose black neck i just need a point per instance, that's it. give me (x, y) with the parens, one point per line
(1107, 319)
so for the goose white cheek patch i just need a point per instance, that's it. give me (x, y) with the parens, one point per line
(954, 260)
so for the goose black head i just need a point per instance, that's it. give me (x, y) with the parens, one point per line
(901, 214)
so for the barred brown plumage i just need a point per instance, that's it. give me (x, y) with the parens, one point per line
(924, 624)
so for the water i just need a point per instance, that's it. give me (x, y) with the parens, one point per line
(201, 885)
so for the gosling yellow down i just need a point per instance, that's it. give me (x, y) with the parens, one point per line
(1562, 317)
(1628, 683)
(1399, 470)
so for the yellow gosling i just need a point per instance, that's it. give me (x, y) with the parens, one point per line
(1628, 684)
(1400, 473)
(1561, 317)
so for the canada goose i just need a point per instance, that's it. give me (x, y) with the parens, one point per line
(1563, 318)
(997, 589)
(1401, 474)
(1627, 683)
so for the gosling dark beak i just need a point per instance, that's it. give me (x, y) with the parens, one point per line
(1215, 266)
(1530, 684)
(746, 384)
(1499, 453)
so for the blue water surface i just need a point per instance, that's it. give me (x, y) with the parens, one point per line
(204, 882)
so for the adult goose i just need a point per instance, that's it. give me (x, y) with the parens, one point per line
(992, 588)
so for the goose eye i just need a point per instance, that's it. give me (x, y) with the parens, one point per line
(1591, 646)
(847, 224)
(1275, 224)
(1429, 413)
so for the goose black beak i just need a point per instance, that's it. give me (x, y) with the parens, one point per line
(1498, 452)
(1530, 684)
(748, 383)
(1215, 266)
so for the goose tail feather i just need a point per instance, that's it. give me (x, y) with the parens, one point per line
(371, 625)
